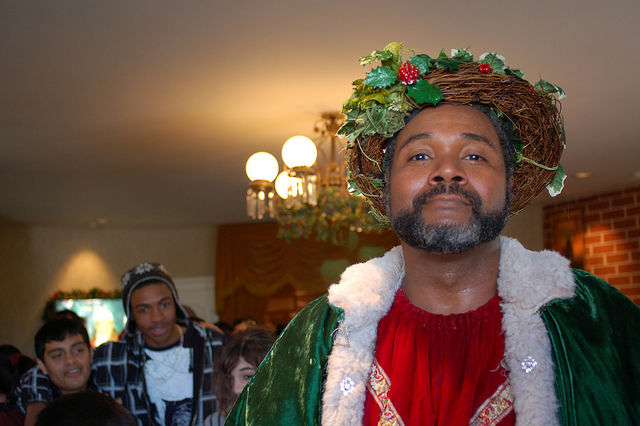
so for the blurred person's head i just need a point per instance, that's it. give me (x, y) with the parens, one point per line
(85, 408)
(13, 364)
(63, 353)
(236, 362)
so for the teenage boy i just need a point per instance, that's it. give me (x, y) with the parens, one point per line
(162, 369)
(64, 356)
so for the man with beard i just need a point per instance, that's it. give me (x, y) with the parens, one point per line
(457, 325)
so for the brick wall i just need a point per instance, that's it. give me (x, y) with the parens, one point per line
(610, 235)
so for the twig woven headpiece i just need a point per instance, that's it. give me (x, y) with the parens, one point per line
(391, 92)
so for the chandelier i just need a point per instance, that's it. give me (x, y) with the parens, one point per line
(309, 197)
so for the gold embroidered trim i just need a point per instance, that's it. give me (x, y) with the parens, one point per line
(379, 385)
(496, 408)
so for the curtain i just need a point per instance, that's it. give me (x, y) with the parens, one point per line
(252, 264)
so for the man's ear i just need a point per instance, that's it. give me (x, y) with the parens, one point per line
(43, 368)
(91, 354)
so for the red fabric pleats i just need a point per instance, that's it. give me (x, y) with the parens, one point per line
(439, 369)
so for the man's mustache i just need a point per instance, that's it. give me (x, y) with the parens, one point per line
(451, 188)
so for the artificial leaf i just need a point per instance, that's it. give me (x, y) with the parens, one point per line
(557, 183)
(376, 55)
(496, 61)
(422, 62)
(447, 64)
(380, 77)
(515, 73)
(424, 92)
(394, 48)
(549, 88)
(442, 55)
(376, 96)
(462, 55)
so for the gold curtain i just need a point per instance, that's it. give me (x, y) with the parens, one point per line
(252, 263)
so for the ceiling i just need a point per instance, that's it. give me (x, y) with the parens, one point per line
(145, 112)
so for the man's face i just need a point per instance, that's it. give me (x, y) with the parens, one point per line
(154, 312)
(67, 363)
(448, 191)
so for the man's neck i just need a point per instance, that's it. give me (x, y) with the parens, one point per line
(451, 283)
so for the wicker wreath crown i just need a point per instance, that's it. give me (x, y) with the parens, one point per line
(390, 92)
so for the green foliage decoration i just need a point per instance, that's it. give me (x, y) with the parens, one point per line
(380, 103)
(330, 220)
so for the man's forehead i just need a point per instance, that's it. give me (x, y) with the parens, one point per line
(431, 119)
(68, 341)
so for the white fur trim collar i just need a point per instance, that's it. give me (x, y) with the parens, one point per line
(527, 281)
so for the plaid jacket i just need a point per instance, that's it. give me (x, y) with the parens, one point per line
(35, 386)
(118, 370)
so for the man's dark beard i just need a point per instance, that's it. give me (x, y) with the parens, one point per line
(411, 228)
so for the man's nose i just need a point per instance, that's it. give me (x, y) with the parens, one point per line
(447, 169)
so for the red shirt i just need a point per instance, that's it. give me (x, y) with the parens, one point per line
(439, 369)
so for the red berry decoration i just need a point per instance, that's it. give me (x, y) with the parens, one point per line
(484, 68)
(408, 73)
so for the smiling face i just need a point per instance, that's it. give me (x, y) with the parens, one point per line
(447, 189)
(241, 374)
(154, 312)
(67, 363)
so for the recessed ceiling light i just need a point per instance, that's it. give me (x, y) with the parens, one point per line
(583, 175)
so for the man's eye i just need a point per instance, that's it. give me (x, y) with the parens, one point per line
(474, 157)
(248, 376)
(79, 350)
(420, 157)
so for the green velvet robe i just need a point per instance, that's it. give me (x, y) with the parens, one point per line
(594, 353)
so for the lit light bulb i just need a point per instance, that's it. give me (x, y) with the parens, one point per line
(262, 166)
(299, 151)
(282, 185)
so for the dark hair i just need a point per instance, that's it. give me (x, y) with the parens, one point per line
(500, 125)
(253, 345)
(68, 313)
(13, 364)
(85, 408)
(57, 330)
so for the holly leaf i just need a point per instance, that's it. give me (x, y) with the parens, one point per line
(380, 77)
(422, 62)
(557, 183)
(515, 73)
(447, 64)
(461, 55)
(376, 55)
(496, 61)
(442, 55)
(549, 88)
(424, 92)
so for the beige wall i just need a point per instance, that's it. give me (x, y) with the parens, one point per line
(37, 261)
(526, 227)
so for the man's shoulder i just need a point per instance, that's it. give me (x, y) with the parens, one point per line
(597, 302)
(110, 351)
(35, 377)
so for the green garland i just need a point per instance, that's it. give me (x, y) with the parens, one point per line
(335, 214)
(380, 102)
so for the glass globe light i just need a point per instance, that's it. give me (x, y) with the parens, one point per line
(282, 185)
(262, 166)
(299, 151)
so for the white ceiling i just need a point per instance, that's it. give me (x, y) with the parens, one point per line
(144, 112)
